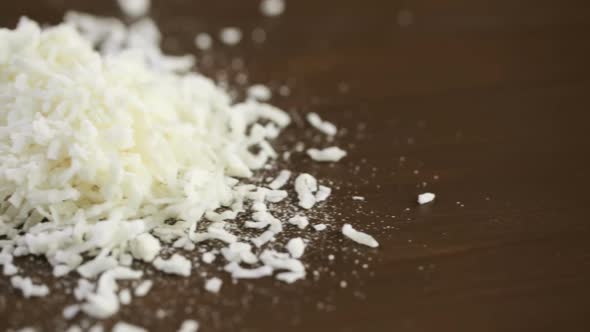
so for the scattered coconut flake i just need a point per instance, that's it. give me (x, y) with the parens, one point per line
(259, 92)
(145, 247)
(280, 180)
(177, 264)
(70, 311)
(28, 288)
(208, 257)
(143, 288)
(320, 227)
(134, 8)
(272, 8)
(323, 193)
(213, 285)
(230, 36)
(359, 237)
(331, 154)
(305, 186)
(189, 325)
(426, 198)
(323, 126)
(299, 221)
(238, 272)
(96, 328)
(96, 266)
(263, 238)
(296, 247)
(203, 41)
(358, 198)
(126, 327)
(125, 296)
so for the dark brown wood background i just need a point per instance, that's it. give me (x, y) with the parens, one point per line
(485, 103)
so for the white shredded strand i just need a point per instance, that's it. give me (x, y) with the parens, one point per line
(359, 237)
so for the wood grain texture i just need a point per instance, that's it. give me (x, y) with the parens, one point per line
(489, 97)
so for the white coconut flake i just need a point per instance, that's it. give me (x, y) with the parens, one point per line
(189, 325)
(126, 327)
(134, 8)
(176, 264)
(145, 247)
(305, 187)
(323, 193)
(203, 41)
(331, 154)
(359, 237)
(28, 288)
(230, 36)
(272, 8)
(238, 272)
(125, 297)
(296, 247)
(259, 92)
(208, 257)
(358, 198)
(320, 227)
(323, 126)
(263, 238)
(70, 311)
(426, 198)
(281, 180)
(213, 285)
(143, 288)
(299, 221)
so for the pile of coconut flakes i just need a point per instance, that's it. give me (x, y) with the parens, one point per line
(111, 150)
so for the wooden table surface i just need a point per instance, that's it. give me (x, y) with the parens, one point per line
(484, 103)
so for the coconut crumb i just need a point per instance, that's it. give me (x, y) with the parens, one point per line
(230, 36)
(426, 198)
(143, 288)
(134, 8)
(126, 327)
(331, 154)
(272, 8)
(189, 325)
(320, 227)
(177, 264)
(296, 247)
(213, 285)
(359, 237)
(323, 126)
(28, 288)
(203, 41)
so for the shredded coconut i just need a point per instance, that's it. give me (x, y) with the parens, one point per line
(359, 237)
(213, 285)
(203, 41)
(230, 36)
(426, 198)
(280, 180)
(259, 92)
(305, 186)
(143, 288)
(323, 126)
(134, 8)
(296, 247)
(189, 325)
(272, 7)
(126, 327)
(331, 154)
(299, 221)
(320, 227)
(177, 264)
(28, 288)
(125, 297)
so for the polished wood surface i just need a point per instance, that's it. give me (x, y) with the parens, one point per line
(485, 103)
